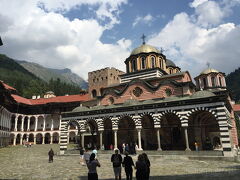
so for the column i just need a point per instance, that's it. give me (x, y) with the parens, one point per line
(28, 125)
(115, 139)
(52, 125)
(34, 137)
(67, 138)
(82, 140)
(186, 139)
(16, 120)
(36, 123)
(51, 140)
(44, 123)
(22, 123)
(21, 139)
(43, 139)
(159, 140)
(100, 135)
(14, 140)
(27, 137)
(139, 139)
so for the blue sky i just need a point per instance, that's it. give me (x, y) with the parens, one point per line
(85, 35)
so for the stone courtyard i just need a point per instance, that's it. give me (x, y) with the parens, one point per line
(32, 163)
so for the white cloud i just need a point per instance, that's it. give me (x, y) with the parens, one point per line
(40, 33)
(196, 3)
(194, 44)
(148, 19)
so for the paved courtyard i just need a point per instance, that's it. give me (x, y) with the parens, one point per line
(32, 163)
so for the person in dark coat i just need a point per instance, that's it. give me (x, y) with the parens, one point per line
(50, 155)
(147, 162)
(141, 173)
(127, 164)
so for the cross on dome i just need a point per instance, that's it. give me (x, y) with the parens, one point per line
(143, 38)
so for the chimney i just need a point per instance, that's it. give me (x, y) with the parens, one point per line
(33, 97)
(38, 97)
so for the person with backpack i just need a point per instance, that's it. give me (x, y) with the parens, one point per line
(148, 164)
(127, 164)
(92, 167)
(116, 160)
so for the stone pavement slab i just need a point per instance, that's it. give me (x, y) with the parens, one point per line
(32, 163)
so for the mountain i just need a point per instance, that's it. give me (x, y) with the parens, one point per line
(233, 84)
(46, 74)
(27, 84)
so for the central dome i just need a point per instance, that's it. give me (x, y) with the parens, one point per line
(144, 48)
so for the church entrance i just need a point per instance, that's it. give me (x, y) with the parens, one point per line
(204, 129)
(108, 134)
(172, 134)
(149, 138)
(126, 132)
(91, 136)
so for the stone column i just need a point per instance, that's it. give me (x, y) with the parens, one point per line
(52, 125)
(34, 137)
(27, 137)
(186, 139)
(14, 140)
(159, 140)
(23, 117)
(139, 139)
(82, 135)
(68, 138)
(28, 125)
(51, 140)
(101, 140)
(43, 139)
(115, 138)
(36, 123)
(21, 139)
(16, 120)
(44, 123)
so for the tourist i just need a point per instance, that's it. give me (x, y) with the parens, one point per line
(81, 156)
(196, 145)
(86, 156)
(50, 155)
(92, 167)
(116, 160)
(127, 164)
(95, 151)
(148, 164)
(123, 148)
(141, 173)
(111, 147)
(127, 148)
(103, 148)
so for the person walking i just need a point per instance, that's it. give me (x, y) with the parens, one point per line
(81, 156)
(127, 164)
(148, 164)
(92, 167)
(196, 145)
(95, 151)
(141, 167)
(86, 156)
(116, 160)
(50, 155)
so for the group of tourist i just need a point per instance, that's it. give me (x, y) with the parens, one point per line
(142, 165)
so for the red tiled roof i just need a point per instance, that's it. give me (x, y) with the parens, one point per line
(236, 107)
(7, 86)
(58, 99)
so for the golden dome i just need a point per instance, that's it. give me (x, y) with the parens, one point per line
(144, 48)
(209, 70)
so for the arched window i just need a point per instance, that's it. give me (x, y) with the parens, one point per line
(213, 81)
(134, 65)
(143, 62)
(204, 82)
(220, 81)
(161, 63)
(153, 61)
(94, 93)
(170, 71)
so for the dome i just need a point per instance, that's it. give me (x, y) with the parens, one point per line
(144, 48)
(170, 63)
(209, 70)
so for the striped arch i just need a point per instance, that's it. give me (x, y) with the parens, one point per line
(108, 117)
(212, 111)
(76, 122)
(169, 112)
(157, 120)
(85, 123)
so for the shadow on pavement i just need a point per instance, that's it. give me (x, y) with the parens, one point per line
(224, 175)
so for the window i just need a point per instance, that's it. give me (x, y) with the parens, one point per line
(143, 62)
(170, 71)
(168, 92)
(220, 81)
(134, 65)
(94, 93)
(213, 81)
(204, 82)
(161, 63)
(137, 91)
(153, 61)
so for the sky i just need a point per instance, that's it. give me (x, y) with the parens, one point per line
(86, 35)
